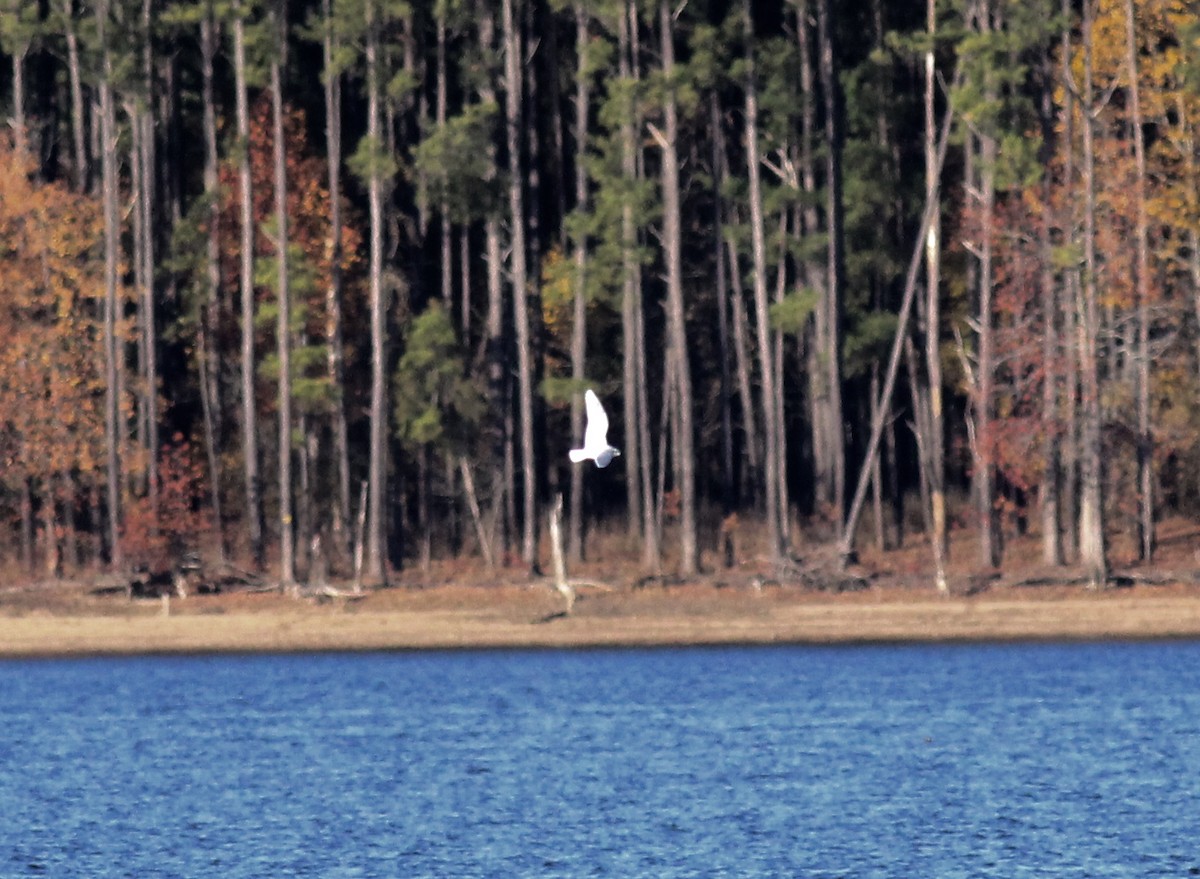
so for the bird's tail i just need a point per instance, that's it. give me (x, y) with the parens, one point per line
(577, 455)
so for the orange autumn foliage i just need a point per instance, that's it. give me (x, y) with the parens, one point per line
(51, 319)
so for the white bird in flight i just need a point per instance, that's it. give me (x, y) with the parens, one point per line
(595, 435)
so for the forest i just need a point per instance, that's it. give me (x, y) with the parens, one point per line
(322, 282)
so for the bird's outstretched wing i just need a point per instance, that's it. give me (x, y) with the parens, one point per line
(595, 436)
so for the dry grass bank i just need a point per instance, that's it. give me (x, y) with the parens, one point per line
(454, 607)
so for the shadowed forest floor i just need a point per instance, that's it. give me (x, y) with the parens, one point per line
(887, 597)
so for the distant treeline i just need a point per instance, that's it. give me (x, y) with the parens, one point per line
(818, 258)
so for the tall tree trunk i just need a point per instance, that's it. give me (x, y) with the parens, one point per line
(1092, 551)
(1050, 492)
(813, 270)
(638, 458)
(832, 305)
(1072, 295)
(208, 361)
(1145, 453)
(985, 467)
(254, 511)
(767, 365)
(439, 117)
(728, 480)
(377, 453)
(20, 122)
(494, 347)
(936, 457)
(287, 536)
(137, 236)
(75, 77)
(579, 323)
(147, 204)
(689, 557)
(741, 353)
(112, 231)
(514, 122)
(335, 355)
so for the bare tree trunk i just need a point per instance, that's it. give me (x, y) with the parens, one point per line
(633, 163)
(494, 349)
(112, 231)
(640, 519)
(1050, 493)
(985, 467)
(147, 204)
(20, 123)
(254, 511)
(377, 454)
(335, 362)
(920, 428)
(75, 77)
(831, 345)
(1071, 297)
(287, 548)
(813, 271)
(1092, 551)
(767, 365)
(1145, 454)
(579, 322)
(516, 200)
(138, 236)
(877, 470)
(729, 486)
(781, 458)
(439, 118)
(446, 230)
(468, 478)
(939, 539)
(741, 351)
(207, 357)
(360, 534)
(689, 557)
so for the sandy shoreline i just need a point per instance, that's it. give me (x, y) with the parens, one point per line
(526, 619)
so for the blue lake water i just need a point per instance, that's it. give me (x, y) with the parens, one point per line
(938, 761)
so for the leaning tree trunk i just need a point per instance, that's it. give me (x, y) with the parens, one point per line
(846, 541)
